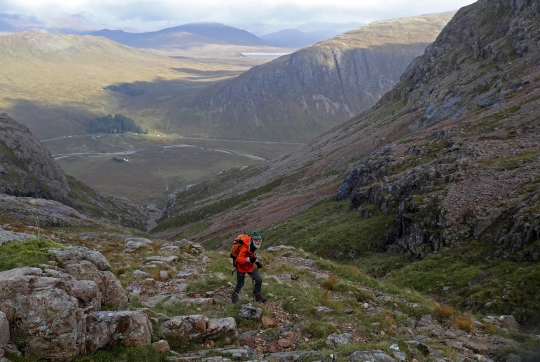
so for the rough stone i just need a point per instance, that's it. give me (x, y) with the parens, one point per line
(293, 356)
(76, 254)
(171, 259)
(161, 346)
(198, 327)
(135, 244)
(512, 357)
(170, 250)
(139, 274)
(338, 340)
(10, 236)
(269, 322)
(163, 275)
(58, 313)
(370, 356)
(112, 329)
(248, 311)
(183, 244)
(111, 289)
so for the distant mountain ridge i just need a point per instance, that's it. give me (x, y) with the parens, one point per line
(301, 95)
(184, 35)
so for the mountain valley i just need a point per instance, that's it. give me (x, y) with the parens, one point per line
(443, 165)
(57, 84)
(404, 229)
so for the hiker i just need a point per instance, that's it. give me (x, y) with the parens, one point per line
(246, 263)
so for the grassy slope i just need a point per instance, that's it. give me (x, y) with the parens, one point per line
(54, 83)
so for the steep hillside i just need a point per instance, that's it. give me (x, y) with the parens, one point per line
(441, 175)
(27, 169)
(303, 94)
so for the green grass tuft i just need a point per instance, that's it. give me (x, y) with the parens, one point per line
(31, 252)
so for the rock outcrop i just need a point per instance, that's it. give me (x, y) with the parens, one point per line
(56, 312)
(27, 167)
(198, 328)
(495, 39)
(90, 265)
(303, 94)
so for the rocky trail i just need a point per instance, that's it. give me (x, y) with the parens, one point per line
(113, 290)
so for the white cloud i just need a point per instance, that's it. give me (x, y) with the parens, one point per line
(156, 14)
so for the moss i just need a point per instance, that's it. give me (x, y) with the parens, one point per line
(31, 252)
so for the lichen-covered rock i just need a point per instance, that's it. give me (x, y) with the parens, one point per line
(87, 264)
(76, 254)
(58, 315)
(170, 250)
(134, 244)
(112, 329)
(139, 274)
(198, 327)
(370, 356)
(338, 340)
(42, 309)
(293, 356)
(161, 346)
(248, 311)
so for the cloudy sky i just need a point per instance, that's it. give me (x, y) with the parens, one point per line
(276, 14)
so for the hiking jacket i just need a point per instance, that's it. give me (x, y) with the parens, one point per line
(242, 265)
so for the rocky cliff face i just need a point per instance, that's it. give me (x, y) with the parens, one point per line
(300, 95)
(476, 175)
(26, 167)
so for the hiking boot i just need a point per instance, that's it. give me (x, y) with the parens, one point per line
(234, 297)
(259, 298)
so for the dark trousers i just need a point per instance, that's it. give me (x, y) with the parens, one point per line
(241, 278)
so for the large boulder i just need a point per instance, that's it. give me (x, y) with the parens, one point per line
(42, 309)
(198, 328)
(76, 254)
(86, 264)
(111, 329)
(135, 244)
(57, 313)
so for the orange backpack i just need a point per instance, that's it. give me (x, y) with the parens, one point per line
(235, 249)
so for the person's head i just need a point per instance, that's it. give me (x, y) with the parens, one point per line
(256, 239)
